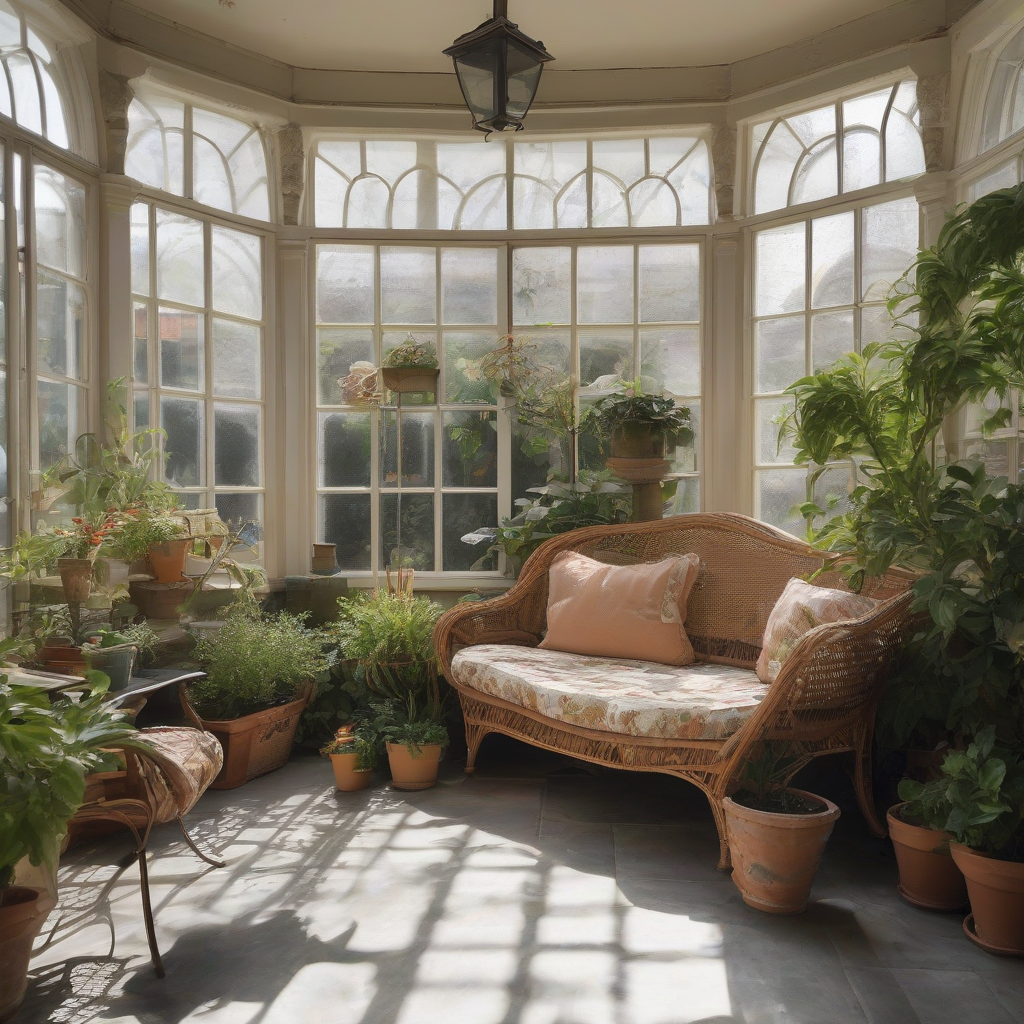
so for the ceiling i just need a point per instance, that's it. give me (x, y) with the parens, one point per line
(408, 35)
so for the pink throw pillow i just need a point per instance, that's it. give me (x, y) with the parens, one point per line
(620, 611)
(800, 609)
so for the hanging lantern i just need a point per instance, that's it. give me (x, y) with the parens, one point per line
(498, 68)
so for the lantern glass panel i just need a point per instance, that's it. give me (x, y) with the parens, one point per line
(523, 78)
(476, 76)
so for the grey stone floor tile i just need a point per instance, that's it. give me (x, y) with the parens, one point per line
(1006, 982)
(582, 845)
(666, 851)
(952, 997)
(881, 997)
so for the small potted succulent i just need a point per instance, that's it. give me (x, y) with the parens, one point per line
(642, 426)
(411, 367)
(776, 836)
(353, 754)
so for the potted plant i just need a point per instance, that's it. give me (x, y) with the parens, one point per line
(411, 367)
(112, 653)
(46, 750)
(979, 801)
(776, 836)
(642, 426)
(260, 672)
(353, 754)
(414, 749)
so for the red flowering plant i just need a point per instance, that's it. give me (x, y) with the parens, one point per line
(85, 535)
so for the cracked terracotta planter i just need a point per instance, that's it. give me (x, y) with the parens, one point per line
(775, 856)
(929, 877)
(996, 890)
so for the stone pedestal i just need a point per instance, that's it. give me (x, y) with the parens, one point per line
(645, 476)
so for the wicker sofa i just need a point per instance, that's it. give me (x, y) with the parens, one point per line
(700, 723)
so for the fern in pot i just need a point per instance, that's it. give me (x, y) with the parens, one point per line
(260, 673)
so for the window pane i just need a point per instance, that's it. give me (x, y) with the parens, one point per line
(345, 522)
(236, 359)
(61, 407)
(670, 359)
(470, 449)
(407, 286)
(417, 520)
(236, 435)
(605, 352)
(605, 284)
(235, 510)
(181, 349)
(463, 357)
(779, 494)
(140, 367)
(770, 411)
(687, 497)
(60, 326)
(462, 514)
(780, 254)
(140, 249)
(141, 410)
(344, 449)
(469, 281)
(831, 338)
(550, 184)
(832, 260)
(540, 285)
(60, 222)
(890, 245)
(182, 419)
(337, 350)
(27, 106)
(780, 357)
(237, 273)
(417, 449)
(687, 457)
(179, 258)
(344, 284)
(669, 283)
(155, 148)
(229, 165)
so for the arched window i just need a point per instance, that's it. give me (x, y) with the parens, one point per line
(29, 94)
(1004, 103)
(799, 158)
(228, 159)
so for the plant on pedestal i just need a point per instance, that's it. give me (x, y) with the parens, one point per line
(642, 426)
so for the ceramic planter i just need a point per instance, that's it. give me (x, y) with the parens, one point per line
(407, 380)
(117, 662)
(996, 890)
(413, 767)
(929, 878)
(638, 441)
(346, 778)
(75, 578)
(775, 856)
(168, 560)
(22, 913)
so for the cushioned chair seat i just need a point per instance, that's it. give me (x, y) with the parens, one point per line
(637, 698)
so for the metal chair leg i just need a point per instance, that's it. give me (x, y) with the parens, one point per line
(195, 849)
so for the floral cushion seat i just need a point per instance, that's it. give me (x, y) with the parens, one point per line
(636, 698)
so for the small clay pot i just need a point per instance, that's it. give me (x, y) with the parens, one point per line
(775, 856)
(75, 578)
(346, 778)
(168, 560)
(413, 767)
(22, 913)
(996, 890)
(637, 441)
(929, 878)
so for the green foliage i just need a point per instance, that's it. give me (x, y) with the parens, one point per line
(763, 785)
(633, 407)
(46, 750)
(142, 528)
(253, 663)
(360, 740)
(340, 697)
(412, 353)
(391, 723)
(979, 800)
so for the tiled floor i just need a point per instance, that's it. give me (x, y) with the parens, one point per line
(538, 892)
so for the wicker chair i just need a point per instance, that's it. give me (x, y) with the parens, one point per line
(822, 702)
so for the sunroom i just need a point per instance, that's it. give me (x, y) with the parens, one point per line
(512, 512)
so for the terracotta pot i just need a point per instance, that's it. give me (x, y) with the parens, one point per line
(413, 768)
(775, 856)
(996, 890)
(346, 778)
(637, 441)
(75, 578)
(61, 656)
(168, 560)
(22, 913)
(929, 878)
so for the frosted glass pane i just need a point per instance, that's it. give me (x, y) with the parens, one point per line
(229, 165)
(344, 284)
(687, 457)
(61, 410)
(211, 176)
(141, 410)
(779, 154)
(620, 159)
(155, 148)
(408, 285)
(235, 510)
(56, 126)
(813, 125)
(549, 175)
(687, 497)
(770, 411)
(469, 286)
(182, 419)
(236, 359)
(464, 380)
(832, 491)
(816, 173)
(463, 514)
(540, 285)
(609, 202)
(831, 338)
(868, 110)
(344, 449)
(179, 258)
(780, 492)
(60, 221)
(329, 190)
(484, 208)
(605, 352)
(832, 263)
(780, 255)
(27, 108)
(862, 159)
(182, 358)
(140, 344)
(877, 324)
(469, 449)
(669, 283)
(471, 193)
(236, 435)
(550, 349)
(140, 249)
(337, 350)
(904, 151)
(604, 283)
(571, 205)
(670, 359)
(417, 523)
(655, 204)
(890, 245)
(779, 353)
(1001, 177)
(344, 520)
(417, 448)
(390, 158)
(237, 272)
(368, 200)
(60, 326)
